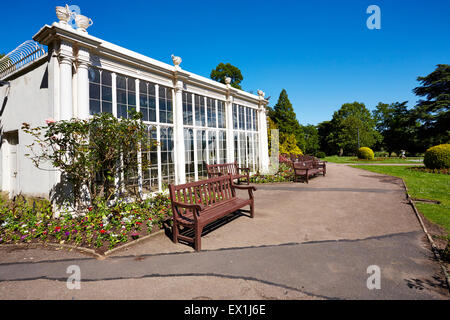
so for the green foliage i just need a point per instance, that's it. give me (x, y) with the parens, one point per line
(91, 153)
(311, 135)
(433, 112)
(223, 71)
(437, 157)
(289, 144)
(365, 153)
(320, 154)
(398, 128)
(351, 120)
(286, 120)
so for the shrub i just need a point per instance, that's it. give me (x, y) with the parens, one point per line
(381, 154)
(437, 157)
(365, 153)
(320, 154)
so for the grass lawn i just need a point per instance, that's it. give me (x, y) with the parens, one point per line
(423, 185)
(355, 160)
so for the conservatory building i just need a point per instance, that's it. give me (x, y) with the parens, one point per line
(66, 73)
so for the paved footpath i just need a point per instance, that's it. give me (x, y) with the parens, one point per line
(307, 241)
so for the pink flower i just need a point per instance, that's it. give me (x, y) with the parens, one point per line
(50, 120)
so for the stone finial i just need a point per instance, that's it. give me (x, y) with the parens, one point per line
(63, 14)
(261, 93)
(176, 61)
(227, 80)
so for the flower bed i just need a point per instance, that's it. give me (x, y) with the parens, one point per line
(284, 174)
(101, 228)
(428, 170)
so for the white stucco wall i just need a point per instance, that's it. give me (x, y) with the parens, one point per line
(28, 101)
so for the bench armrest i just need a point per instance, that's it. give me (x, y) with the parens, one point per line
(250, 189)
(244, 169)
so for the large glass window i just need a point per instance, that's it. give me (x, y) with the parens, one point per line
(189, 154)
(235, 117)
(100, 91)
(211, 112)
(248, 114)
(241, 118)
(243, 149)
(200, 117)
(201, 154)
(150, 175)
(212, 147)
(126, 96)
(255, 120)
(221, 115)
(222, 146)
(187, 109)
(147, 101)
(165, 105)
(167, 155)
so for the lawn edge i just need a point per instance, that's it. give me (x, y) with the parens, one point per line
(434, 248)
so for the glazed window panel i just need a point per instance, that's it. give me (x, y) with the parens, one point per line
(189, 154)
(150, 174)
(211, 112)
(187, 109)
(147, 101)
(256, 146)
(236, 147)
(167, 155)
(255, 120)
(235, 117)
(221, 115)
(165, 105)
(242, 149)
(126, 96)
(100, 91)
(200, 117)
(241, 118)
(201, 154)
(248, 114)
(212, 147)
(222, 146)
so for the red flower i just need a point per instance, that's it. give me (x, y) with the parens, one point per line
(102, 231)
(90, 208)
(57, 229)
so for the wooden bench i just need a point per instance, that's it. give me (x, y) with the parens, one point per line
(317, 163)
(232, 169)
(304, 169)
(196, 204)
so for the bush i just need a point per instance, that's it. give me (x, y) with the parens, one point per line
(365, 153)
(320, 154)
(437, 157)
(381, 154)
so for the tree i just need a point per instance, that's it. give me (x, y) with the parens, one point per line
(397, 126)
(286, 120)
(433, 112)
(352, 126)
(311, 139)
(323, 131)
(288, 144)
(223, 71)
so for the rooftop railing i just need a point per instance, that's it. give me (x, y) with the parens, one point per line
(20, 57)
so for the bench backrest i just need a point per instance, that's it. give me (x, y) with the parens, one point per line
(222, 169)
(206, 192)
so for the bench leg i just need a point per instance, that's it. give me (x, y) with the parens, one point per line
(252, 210)
(198, 238)
(175, 231)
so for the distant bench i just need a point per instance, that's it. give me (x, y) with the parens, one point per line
(196, 204)
(232, 169)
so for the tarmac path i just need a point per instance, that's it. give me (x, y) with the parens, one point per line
(307, 241)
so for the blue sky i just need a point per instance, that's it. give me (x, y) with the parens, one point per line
(320, 51)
